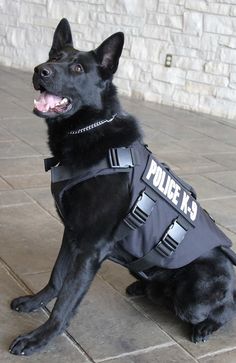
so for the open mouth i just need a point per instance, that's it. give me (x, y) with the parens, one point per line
(48, 104)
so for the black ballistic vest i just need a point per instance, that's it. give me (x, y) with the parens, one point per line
(165, 226)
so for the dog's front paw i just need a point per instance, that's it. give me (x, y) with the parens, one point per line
(25, 345)
(36, 339)
(25, 304)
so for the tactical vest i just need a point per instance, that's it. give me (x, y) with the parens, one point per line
(165, 226)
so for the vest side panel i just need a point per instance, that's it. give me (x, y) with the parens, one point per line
(204, 236)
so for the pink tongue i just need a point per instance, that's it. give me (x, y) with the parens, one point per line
(46, 101)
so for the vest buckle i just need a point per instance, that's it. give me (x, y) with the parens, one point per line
(121, 157)
(49, 163)
(172, 238)
(141, 211)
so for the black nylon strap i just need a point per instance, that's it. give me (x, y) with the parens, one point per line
(122, 159)
(166, 246)
(138, 215)
(61, 173)
(172, 238)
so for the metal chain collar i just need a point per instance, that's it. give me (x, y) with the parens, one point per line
(91, 127)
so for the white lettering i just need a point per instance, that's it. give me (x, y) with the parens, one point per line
(157, 177)
(167, 185)
(152, 169)
(193, 214)
(170, 193)
(161, 187)
(176, 194)
(184, 205)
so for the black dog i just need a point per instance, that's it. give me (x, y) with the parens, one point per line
(77, 92)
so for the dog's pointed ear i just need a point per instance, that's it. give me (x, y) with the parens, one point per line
(62, 37)
(109, 52)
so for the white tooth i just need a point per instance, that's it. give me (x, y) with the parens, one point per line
(35, 102)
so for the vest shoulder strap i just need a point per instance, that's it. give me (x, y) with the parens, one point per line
(120, 160)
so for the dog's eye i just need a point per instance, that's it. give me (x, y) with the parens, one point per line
(54, 59)
(78, 68)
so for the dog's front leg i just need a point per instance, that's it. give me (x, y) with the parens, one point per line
(30, 303)
(76, 284)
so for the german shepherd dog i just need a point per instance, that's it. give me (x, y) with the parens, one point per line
(76, 91)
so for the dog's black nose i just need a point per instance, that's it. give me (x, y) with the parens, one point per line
(43, 71)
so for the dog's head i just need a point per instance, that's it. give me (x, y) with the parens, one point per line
(71, 79)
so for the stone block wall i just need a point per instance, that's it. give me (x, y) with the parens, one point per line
(199, 34)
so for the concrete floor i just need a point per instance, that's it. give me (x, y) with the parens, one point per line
(110, 327)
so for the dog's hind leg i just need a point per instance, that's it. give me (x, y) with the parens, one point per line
(137, 288)
(33, 302)
(81, 273)
(201, 331)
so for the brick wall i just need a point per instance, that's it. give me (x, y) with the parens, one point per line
(200, 35)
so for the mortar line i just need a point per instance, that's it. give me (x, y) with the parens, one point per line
(15, 277)
(218, 198)
(6, 118)
(15, 205)
(42, 208)
(214, 138)
(22, 140)
(212, 354)
(207, 176)
(21, 175)
(228, 228)
(24, 286)
(141, 311)
(72, 340)
(21, 156)
(133, 303)
(20, 282)
(206, 116)
(204, 135)
(11, 187)
(35, 273)
(137, 352)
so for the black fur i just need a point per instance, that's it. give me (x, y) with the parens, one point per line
(202, 293)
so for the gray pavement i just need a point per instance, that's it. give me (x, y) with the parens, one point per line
(110, 327)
